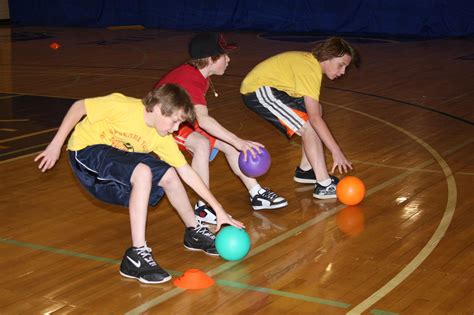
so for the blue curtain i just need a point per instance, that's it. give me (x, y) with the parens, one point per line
(427, 18)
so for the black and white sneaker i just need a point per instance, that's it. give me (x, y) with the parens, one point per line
(325, 192)
(309, 177)
(200, 238)
(138, 263)
(205, 213)
(267, 199)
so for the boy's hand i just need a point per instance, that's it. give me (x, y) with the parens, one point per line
(48, 157)
(246, 146)
(341, 163)
(227, 219)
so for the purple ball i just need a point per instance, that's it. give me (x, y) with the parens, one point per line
(255, 166)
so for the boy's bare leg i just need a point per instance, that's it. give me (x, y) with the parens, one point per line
(232, 156)
(313, 148)
(178, 197)
(200, 147)
(304, 164)
(138, 205)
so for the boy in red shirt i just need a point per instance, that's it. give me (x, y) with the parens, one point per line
(208, 52)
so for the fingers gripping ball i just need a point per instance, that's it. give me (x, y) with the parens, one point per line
(255, 166)
(232, 243)
(350, 190)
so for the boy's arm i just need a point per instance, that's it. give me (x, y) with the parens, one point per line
(192, 179)
(213, 127)
(313, 108)
(52, 152)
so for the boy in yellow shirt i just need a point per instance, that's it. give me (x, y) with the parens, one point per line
(109, 153)
(284, 90)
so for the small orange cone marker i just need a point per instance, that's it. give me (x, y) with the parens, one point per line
(194, 279)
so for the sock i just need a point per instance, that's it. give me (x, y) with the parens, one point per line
(254, 191)
(325, 182)
(138, 247)
(200, 203)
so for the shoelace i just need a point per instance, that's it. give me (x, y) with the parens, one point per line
(202, 229)
(145, 252)
(267, 193)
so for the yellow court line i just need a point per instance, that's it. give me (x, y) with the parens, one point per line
(28, 135)
(452, 194)
(435, 238)
(9, 96)
(20, 157)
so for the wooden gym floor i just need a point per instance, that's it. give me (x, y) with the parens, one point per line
(405, 119)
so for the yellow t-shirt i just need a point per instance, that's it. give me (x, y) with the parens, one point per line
(297, 73)
(119, 121)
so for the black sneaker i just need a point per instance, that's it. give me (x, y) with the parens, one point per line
(138, 263)
(200, 238)
(309, 177)
(267, 199)
(304, 177)
(205, 213)
(325, 192)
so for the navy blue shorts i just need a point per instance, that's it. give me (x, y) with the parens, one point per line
(106, 171)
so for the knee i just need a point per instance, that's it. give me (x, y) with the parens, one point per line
(307, 131)
(141, 174)
(170, 178)
(200, 146)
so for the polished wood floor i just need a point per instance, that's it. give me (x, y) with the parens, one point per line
(405, 119)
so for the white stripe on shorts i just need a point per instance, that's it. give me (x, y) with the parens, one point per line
(279, 109)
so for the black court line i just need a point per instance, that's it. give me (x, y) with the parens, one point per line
(466, 121)
(29, 122)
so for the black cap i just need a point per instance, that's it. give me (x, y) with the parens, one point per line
(209, 44)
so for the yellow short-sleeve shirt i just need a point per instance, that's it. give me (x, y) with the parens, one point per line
(297, 73)
(119, 121)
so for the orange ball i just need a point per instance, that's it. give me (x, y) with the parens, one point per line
(54, 46)
(350, 190)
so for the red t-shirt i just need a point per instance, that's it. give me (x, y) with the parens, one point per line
(190, 79)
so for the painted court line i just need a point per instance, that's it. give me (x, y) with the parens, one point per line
(29, 135)
(226, 283)
(397, 279)
(280, 238)
(437, 236)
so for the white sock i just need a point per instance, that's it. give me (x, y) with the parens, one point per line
(325, 182)
(254, 191)
(200, 203)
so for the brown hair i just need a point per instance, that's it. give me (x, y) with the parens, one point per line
(203, 62)
(335, 47)
(172, 98)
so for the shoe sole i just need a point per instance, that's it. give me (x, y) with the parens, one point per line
(200, 250)
(304, 181)
(324, 197)
(144, 280)
(270, 207)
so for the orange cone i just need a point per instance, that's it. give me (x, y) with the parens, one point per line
(194, 279)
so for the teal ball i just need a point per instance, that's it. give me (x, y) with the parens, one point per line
(232, 243)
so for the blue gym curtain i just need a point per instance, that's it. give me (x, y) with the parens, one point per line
(435, 18)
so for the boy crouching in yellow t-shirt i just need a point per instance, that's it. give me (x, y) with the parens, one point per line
(284, 90)
(109, 153)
